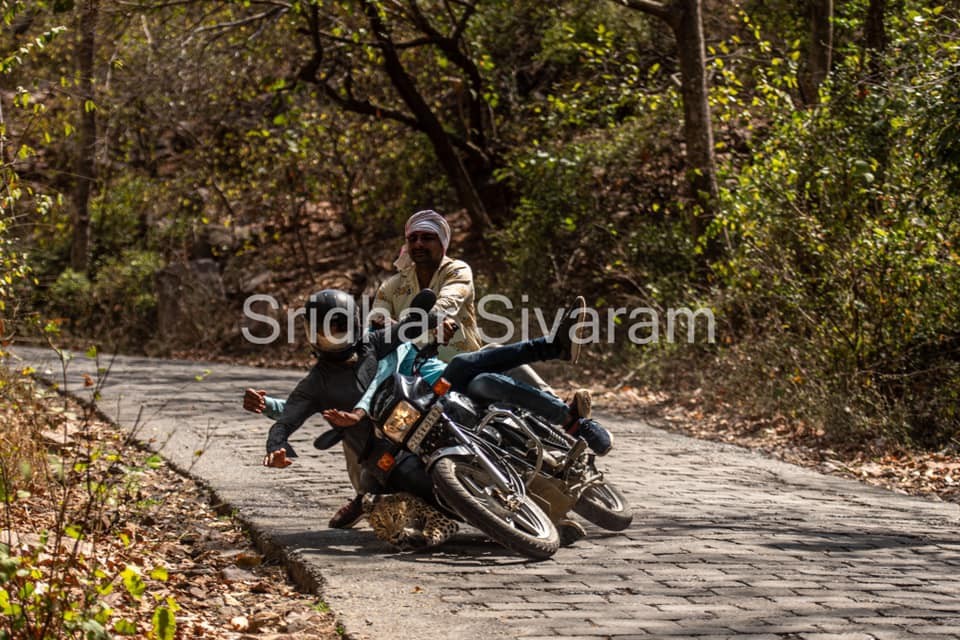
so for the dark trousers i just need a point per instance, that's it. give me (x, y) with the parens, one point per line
(480, 374)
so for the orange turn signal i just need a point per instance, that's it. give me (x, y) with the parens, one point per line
(385, 462)
(441, 386)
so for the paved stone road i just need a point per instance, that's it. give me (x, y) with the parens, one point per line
(726, 543)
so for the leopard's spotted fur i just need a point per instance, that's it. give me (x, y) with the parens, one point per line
(407, 522)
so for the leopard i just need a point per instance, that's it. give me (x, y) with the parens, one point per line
(407, 522)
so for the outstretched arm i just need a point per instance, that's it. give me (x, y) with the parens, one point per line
(340, 418)
(302, 403)
(257, 401)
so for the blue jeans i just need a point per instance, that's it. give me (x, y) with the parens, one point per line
(480, 374)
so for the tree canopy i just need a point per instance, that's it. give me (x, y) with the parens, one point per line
(794, 167)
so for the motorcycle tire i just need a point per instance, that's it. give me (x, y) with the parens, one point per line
(460, 484)
(605, 506)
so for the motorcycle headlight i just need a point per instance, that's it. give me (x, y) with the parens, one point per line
(403, 416)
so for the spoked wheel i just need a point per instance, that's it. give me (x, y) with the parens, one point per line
(515, 521)
(605, 506)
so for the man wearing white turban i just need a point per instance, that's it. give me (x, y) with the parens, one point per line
(424, 263)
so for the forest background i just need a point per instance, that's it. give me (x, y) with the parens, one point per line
(792, 166)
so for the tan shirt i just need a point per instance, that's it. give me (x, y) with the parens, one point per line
(453, 284)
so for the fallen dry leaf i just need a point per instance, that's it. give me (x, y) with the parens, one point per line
(248, 560)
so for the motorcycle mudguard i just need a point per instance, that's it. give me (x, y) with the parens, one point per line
(464, 451)
(455, 450)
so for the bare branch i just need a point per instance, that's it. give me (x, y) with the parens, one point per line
(467, 14)
(349, 41)
(269, 13)
(450, 12)
(651, 7)
(176, 3)
(365, 107)
(451, 48)
(413, 44)
(420, 20)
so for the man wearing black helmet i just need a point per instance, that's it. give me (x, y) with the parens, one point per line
(346, 363)
(347, 359)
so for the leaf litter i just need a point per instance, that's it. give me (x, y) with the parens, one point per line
(158, 540)
(931, 474)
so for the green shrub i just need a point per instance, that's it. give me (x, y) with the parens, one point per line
(71, 295)
(842, 238)
(125, 295)
(598, 216)
(118, 216)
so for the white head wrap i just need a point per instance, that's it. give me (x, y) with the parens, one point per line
(429, 221)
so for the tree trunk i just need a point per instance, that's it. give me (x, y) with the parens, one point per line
(686, 21)
(449, 159)
(875, 46)
(875, 38)
(819, 52)
(698, 129)
(85, 161)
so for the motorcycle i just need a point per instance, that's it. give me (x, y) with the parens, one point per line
(558, 471)
(499, 468)
(471, 478)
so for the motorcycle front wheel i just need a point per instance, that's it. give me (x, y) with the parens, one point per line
(515, 522)
(605, 506)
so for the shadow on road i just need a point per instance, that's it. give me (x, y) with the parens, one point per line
(790, 537)
(465, 550)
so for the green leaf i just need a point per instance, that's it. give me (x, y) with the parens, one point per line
(164, 623)
(159, 573)
(5, 606)
(105, 588)
(154, 461)
(92, 352)
(133, 583)
(125, 628)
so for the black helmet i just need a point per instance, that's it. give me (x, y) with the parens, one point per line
(333, 324)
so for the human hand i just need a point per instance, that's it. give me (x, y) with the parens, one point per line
(277, 459)
(449, 327)
(253, 400)
(339, 418)
(380, 319)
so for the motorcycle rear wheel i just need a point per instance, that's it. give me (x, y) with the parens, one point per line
(466, 488)
(605, 506)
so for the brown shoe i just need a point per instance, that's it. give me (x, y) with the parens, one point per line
(581, 405)
(348, 515)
